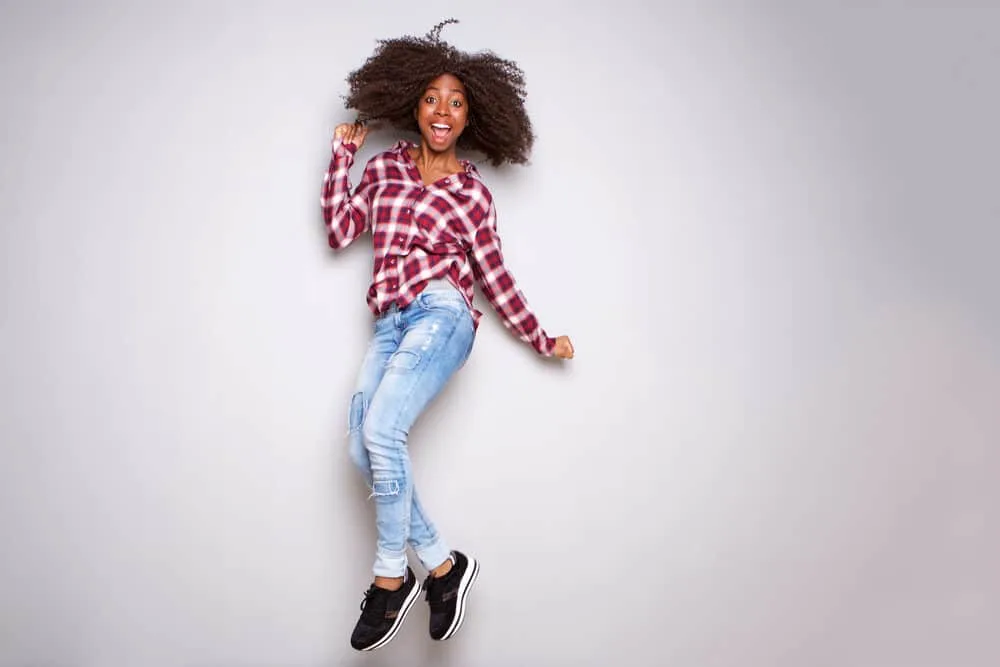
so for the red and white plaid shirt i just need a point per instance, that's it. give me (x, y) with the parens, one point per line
(446, 230)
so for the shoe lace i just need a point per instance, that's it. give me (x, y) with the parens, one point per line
(374, 603)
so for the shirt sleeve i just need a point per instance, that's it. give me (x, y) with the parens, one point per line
(501, 290)
(346, 214)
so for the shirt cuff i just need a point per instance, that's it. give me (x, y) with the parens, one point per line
(546, 345)
(339, 147)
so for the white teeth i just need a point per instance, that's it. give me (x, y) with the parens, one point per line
(441, 127)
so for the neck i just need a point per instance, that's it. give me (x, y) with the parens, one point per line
(430, 159)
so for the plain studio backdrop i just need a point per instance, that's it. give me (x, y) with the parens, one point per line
(770, 232)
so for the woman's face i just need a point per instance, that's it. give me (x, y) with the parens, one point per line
(442, 113)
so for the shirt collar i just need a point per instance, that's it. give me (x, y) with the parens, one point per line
(403, 146)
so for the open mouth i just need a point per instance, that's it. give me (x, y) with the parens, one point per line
(440, 131)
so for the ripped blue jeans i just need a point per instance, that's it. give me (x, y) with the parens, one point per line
(412, 355)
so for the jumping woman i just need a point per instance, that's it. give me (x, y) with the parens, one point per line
(434, 230)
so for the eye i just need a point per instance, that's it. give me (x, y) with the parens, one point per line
(430, 99)
(456, 103)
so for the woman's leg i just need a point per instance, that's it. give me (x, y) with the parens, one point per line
(387, 337)
(437, 336)
(384, 342)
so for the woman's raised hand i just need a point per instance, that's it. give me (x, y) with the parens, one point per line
(351, 133)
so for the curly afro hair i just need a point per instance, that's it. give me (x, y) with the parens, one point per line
(388, 87)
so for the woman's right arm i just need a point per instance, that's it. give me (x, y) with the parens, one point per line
(346, 214)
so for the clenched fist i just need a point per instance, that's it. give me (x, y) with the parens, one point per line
(351, 133)
(564, 348)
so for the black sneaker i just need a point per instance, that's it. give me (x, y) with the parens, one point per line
(382, 614)
(447, 595)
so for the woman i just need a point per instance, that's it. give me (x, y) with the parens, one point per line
(433, 224)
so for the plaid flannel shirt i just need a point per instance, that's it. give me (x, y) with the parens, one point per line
(447, 230)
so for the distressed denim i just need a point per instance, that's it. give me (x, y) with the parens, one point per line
(412, 355)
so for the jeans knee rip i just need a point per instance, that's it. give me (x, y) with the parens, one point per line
(389, 487)
(356, 416)
(404, 360)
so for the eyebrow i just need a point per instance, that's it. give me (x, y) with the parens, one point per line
(454, 90)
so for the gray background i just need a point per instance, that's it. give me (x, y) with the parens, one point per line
(771, 233)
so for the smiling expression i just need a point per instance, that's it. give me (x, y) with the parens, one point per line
(442, 113)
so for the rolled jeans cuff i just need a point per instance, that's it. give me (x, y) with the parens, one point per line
(389, 565)
(433, 555)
